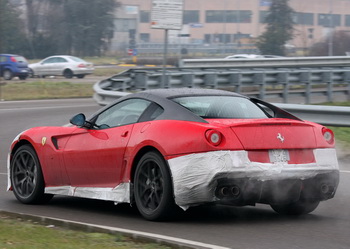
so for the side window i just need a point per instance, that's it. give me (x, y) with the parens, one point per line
(126, 112)
(50, 60)
(61, 60)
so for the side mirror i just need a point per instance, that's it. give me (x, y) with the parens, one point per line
(78, 120)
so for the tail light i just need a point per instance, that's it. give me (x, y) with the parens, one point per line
(13, 59)
(328, 135)
(214, 137)
(81, 65)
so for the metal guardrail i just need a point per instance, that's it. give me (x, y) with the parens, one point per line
(277, 83)
(326, 115)
(280, 83)
(289, 62)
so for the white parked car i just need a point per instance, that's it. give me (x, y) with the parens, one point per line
(66, 65)
(244, 56)
(251, 56)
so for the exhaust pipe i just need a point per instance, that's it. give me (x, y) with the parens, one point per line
(325, 189)
(235, 191)
(225, 191)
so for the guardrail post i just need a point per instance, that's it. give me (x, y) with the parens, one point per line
(306, 80)
(347, 80)
(327, 78)
(188, 80)
(259, 79)
(236, 80)
(165, 80)
(210, 79)
(282, 78)
(141, 79)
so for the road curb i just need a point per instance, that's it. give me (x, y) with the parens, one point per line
(133, 234)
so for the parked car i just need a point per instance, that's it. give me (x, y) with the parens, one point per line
(169, 148)
(251, 56)
(12, 65)
(66, 65)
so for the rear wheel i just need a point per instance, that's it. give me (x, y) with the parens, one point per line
(26, 177)
(68, 74)
(22, 77)
(153, 188)
(8, 75)
(297, 208)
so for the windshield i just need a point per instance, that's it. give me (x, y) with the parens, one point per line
(228, 107)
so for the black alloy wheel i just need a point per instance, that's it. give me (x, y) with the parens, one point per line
(26, 177)
(153, 189)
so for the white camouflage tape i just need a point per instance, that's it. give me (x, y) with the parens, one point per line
(193, 174)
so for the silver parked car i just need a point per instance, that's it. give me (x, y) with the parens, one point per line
(66, 65)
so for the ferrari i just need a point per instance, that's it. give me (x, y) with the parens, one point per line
(164, 150)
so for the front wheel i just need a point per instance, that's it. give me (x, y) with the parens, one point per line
(26, 177)
(153, 189)
(8, 75)
(297, 208)
(80, 76)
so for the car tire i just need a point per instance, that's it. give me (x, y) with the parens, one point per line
(8, 75)
(80, 76)
(297, 208)
(153, 191)
(68, 73)
(22, 77)
(27, 180)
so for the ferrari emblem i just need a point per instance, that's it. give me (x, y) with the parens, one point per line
(280, 137)
(43, 141)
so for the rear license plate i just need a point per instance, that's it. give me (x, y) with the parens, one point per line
(279, 156)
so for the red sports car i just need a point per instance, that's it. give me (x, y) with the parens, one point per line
(169, 148)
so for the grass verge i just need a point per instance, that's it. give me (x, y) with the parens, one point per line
(17, 233)
(45, 90)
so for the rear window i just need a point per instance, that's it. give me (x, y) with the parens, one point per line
(76, 59)
(228, 107)
(20, 59)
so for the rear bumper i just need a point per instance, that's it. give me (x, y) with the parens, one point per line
(206, 177)
(247, 191)
(83, 71)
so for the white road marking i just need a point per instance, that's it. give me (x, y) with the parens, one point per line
(43, 107)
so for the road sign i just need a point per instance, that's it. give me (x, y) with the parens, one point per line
(167, 14)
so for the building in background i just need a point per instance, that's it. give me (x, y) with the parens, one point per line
(207, 24)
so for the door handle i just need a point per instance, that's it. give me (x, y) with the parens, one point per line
(125, 133)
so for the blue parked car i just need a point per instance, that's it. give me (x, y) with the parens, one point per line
(12, 65)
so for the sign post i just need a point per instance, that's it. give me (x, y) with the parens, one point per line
(166, 14)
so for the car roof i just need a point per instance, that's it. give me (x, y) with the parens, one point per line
(10, 55)
(183, 92)
(172, 110)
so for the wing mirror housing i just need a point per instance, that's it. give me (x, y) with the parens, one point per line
(78, 120)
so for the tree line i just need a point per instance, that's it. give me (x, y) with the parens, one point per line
(39, 28)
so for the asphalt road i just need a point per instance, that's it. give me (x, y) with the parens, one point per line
(234, 227)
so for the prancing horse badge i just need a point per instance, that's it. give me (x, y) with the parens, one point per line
(280, 137)
(43, 141)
